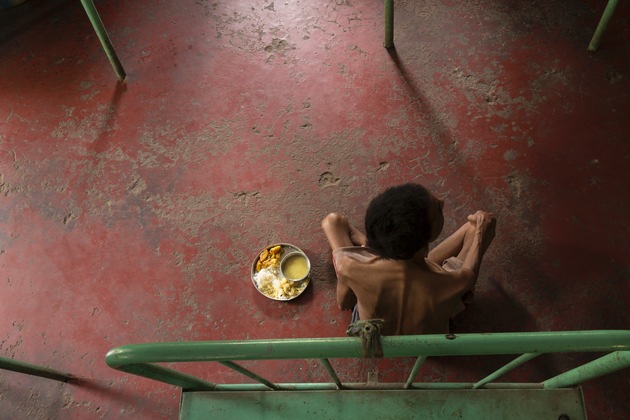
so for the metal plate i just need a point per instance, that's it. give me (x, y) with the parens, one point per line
(286, 248)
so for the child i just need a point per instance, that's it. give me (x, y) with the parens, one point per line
(389, 273)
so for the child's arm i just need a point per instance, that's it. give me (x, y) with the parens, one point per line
(449, 247)
(340, 233)
(484, 226)
(469, 243)
(345, 297)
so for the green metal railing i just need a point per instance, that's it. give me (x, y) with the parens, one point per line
(142, 359)
(31, 369)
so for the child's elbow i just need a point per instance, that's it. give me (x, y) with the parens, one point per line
(332, 220)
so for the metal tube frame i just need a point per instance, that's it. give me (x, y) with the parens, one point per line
(593, 45)
(140, 359)
(389, 24)
(505, 369)
(604, 365)
(35, 370)
(331, 372)
(414, 371)
(106, 42)
(603, 25)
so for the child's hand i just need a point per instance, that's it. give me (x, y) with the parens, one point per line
(357, 237)
(485, 224)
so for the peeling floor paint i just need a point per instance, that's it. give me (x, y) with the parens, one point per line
(132, 213)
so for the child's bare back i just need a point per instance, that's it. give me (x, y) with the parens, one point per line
(413, 295)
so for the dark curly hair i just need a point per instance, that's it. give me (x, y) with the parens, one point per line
(397, 222)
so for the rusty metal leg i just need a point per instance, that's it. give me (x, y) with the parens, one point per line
(97, 23)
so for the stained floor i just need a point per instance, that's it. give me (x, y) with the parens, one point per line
(132, 212)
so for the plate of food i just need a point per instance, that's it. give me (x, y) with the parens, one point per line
(281, 272)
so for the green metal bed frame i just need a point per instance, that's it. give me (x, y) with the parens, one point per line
(101, 32)
(593, 45)
(485, 398)
(143, 359)
(35, 370)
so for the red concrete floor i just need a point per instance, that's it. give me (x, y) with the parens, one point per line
(132, 212)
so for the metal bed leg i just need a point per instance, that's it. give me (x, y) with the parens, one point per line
(97, 23)
(30, 369)
(603, 24)
(389, 23)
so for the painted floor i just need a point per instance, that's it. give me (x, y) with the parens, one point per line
(132, 212)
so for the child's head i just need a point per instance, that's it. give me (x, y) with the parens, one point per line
(402, 220)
